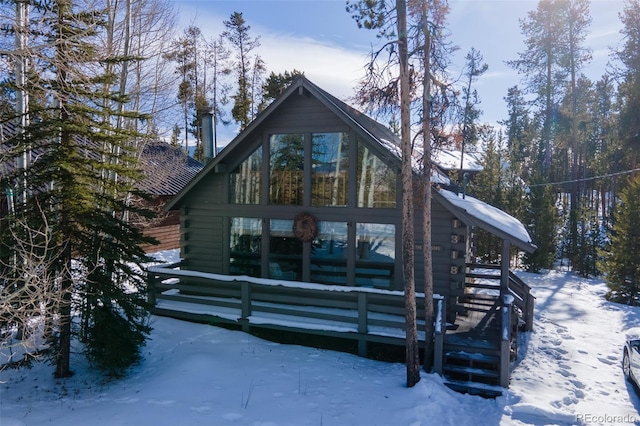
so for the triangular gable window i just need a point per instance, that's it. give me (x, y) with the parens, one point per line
(376, 182)
(245, 180)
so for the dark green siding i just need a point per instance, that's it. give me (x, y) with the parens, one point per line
(206, 218)
(202, 235)
(442, 228)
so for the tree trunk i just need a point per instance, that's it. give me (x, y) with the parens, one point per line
(63, 357)
(412, 354)
(426, 191)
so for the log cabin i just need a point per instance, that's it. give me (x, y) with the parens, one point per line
(296, 225)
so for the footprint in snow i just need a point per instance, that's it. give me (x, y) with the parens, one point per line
(578, 384)
(606, 361)
(567, 400)
(566, 373)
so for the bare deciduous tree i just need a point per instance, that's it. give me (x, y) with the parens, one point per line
(29, 292)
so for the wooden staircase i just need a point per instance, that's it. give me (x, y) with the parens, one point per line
(472, 351)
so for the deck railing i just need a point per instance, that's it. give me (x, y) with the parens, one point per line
(521, 292)
(362, 314)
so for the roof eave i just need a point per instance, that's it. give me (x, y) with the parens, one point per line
(462, 214)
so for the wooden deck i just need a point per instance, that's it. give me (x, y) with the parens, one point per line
(364, 315)
(475, 348)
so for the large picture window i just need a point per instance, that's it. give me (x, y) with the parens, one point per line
(244, 181)
(245, 246)
(375, 254)
(286, 169)
(329, 254)
(285, 251)
(330, 169)
(376, 181)
(341, 175)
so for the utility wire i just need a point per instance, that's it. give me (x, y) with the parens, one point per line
(625, 172)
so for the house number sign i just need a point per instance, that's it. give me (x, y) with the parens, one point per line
(305, 227)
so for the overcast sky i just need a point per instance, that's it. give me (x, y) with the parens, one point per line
(321, 39)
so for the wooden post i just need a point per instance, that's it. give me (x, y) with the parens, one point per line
(505, 341)
(363, 326)
(245, 295)
(151, 289)
(530, 302)
(440, 329)
(504, 268)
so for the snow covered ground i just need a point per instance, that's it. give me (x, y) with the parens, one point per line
(568, 372)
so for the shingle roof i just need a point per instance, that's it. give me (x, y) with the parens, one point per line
(166, 169)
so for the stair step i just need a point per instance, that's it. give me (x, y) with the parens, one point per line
(472, 346)
(472, 309)
(471, 371)
(491, 303)
(480, 302)
(485, 391)
(477, 296)
(485, 286)
(473, 375)
(472, 356)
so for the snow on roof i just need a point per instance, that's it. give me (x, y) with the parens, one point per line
(436, 175)
(492, 217)
(450, 159)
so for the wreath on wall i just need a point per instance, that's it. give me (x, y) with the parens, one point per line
(305, 227)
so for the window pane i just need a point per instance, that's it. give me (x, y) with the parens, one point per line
(330, 173)
(375, 254)
(245, 246)
(245, 180)
(329, 254)
(376, 181)
(285, 251)
(286, 169)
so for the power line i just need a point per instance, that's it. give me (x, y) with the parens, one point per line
(625, 172)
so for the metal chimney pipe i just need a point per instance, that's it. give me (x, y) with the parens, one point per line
(207, 137)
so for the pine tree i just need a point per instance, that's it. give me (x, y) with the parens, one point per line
(184, 53)
(474, 68)
(488, 186)
(591, 241)
(395, 94)
(620, 261)
(275, 84)
(237, 33)
(542, 224)
(431, 96)
(629, 89)
(82, 176)
(217, 66)
(607, 153)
